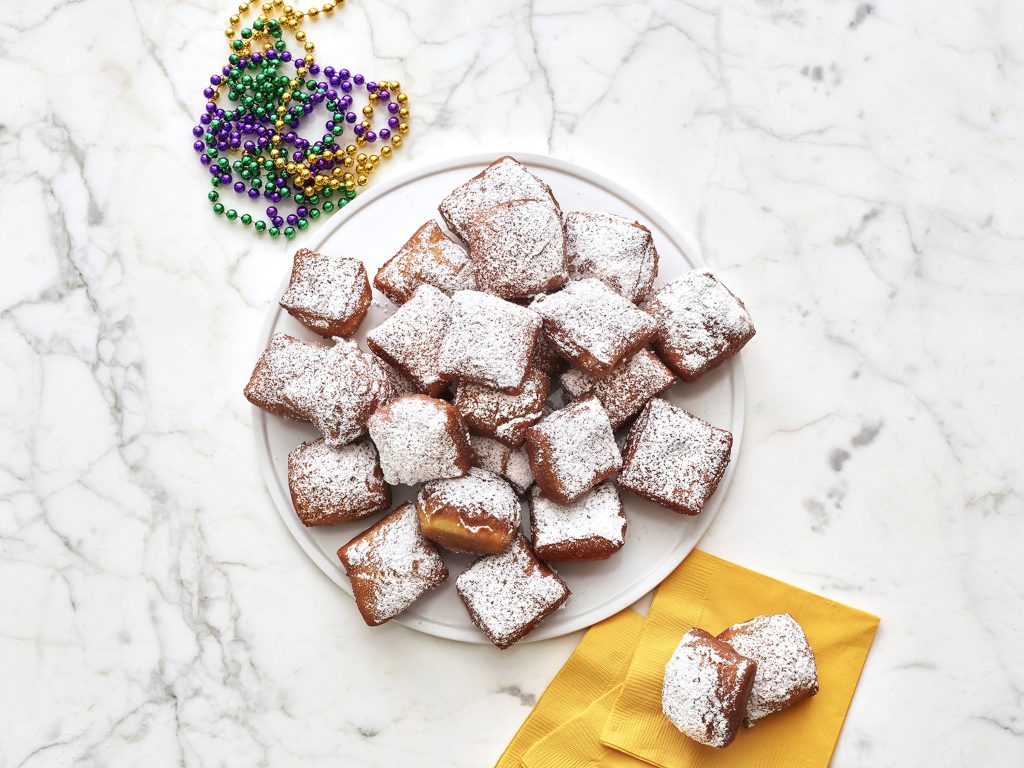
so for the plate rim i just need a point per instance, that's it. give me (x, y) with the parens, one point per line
(333, 571)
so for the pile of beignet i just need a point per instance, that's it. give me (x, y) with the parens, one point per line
(453, 395)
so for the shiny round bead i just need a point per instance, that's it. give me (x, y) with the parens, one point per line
(402, 98)
(396, 141)
(273, 231)
(260, 225)
(213, 196)
(289, 232)
(403, 127)
(314, 213)
(385, 151)
(218, 208)
(231, 214)
(303, 224)
(246, 219)
(328, 207)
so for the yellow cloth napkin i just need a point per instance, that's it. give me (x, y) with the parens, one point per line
(603, 709)
(713, 594)
(599, 663)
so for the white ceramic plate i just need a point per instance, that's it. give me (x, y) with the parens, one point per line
(657, 540)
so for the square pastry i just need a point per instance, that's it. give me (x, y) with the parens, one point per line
(477, 513)
(593, 327)
(411, 338)
(328, 294)
(673, 458)
(420, 439)
(339, 395)
(572, 450)
(706, 688)
(502, 181)
(489, 341)
(492, 413)
(786, 672)
(507, 595)
(335, 485)
(284, 359)
(428, 258)
(517, 249)
(512, 464)
(391, 565)
(624, 391)
(617, 251)
(592, 528)
(700, 324)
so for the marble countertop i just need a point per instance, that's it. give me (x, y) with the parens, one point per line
(852, 169)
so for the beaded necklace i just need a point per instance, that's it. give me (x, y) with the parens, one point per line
(259, 129)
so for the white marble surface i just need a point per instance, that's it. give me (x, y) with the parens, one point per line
(853, 170)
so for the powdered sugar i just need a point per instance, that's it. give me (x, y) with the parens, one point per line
(392, 564)
(518, 248)
(786, 672)
(428, 258)
(572, 450)
(705, 683)
(503, 180)
(411, 338)
(327, 292)
(506, 418)
(285, 358)
(700, 323)
(419, 439)
(333, 485)
(613, 249)
(481, 499)
(673, 458)
(624, 391)
(592, 326)
(339, 394)
(511, 464)
(509, 593)
(597, 514)
(489, 341)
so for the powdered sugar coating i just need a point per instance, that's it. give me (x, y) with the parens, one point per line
(495, 457)
(489, 341)
(481, 505)
(613, 249)
(327, 293)
(419, 439)
(428, 258)
(391, 565)
(518, 248)
(624, 391)
(340, 393)
(411, 338)
(334, 485)
(285, 358)
(705, 689)
(572, 450)
(701, 323)
(492, 413)
(509, 594)
(673, 458)
(592, 326)
(399, 382)
(504, 180)
(786, 672)
(593, 526)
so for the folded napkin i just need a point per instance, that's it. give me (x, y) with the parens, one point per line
(621, 725)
